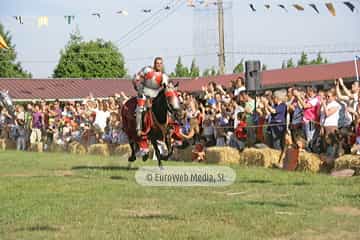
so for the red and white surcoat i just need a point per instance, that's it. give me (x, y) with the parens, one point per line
(151, 81)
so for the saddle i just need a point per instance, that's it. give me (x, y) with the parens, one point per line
(129, 122)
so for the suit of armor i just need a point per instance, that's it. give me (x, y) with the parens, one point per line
(148, 83)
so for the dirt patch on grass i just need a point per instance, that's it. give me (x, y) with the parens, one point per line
(17, 175)
(148, 214)
(314, 235)
(350, 211)
(57, 173)
(64, 173)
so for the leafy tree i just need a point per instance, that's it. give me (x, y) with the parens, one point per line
(239, 68)
(290, 63)
(9, 68)
(194, 69)
(210, 72)
(180, 70)
(303, 59)
(319, 60)
(93, 59)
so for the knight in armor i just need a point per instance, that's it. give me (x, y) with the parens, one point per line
(148, 83)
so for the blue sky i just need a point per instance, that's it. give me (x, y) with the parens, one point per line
(263, 31)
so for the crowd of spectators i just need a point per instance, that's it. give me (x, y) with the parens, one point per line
(89, 122)
(322, 120)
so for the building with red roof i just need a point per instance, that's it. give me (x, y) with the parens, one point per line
(76, 89)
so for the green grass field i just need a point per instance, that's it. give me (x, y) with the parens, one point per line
(63, 196)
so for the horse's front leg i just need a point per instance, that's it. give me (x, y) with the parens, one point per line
(132, 157)
(157, 152)
(169, 146)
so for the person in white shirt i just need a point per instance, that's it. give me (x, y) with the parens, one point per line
(239, 85)
(101, 117)
(330, 110)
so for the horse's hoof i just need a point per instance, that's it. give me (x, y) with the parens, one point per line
(131, 159)
(145, 157)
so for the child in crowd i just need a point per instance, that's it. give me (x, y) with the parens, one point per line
(238, 140)
(198, 153)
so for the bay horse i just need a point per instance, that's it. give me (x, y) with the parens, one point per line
(165, 105)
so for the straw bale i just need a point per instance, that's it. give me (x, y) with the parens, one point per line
(348, 161)
(7, 144)
(76, 148)
(265, 157)
(185, 154)
(99, 149)
(222, 155)
(123, 149)
(57, 147)
(309, 162)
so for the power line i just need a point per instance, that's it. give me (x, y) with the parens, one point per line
(176, 6)
(267, 53)
(144, 22)
(128, 60)
(263, 53)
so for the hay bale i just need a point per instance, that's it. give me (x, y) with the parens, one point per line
(57, 147)
(99, 149)
(37, 147)
(348, 161)
(76, 148)
(185, 154)
(121, 150)
(222, 155)
(6, 144)
(309, 162)
(265, 157)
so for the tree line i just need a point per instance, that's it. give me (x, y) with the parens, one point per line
(102, 59)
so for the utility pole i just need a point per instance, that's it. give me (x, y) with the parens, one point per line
(221, 53)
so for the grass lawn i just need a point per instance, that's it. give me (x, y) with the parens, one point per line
(63, 196)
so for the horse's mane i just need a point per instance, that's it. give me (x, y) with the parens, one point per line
(159, 107)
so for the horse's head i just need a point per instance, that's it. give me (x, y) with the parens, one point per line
(6, 101)
(173, 102)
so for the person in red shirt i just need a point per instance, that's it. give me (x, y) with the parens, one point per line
(239, 138)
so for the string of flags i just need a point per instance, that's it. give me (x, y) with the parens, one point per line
(43, 21)
(69, 19)
(330, 7)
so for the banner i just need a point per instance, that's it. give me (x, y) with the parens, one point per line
(3, 44)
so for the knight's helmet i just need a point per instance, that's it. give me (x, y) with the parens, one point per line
(7, 102)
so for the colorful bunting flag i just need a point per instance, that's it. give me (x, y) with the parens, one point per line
(69, 19)
(350, 6)
(331, 8)
(314, 7)
(252, 7)
(283, 7)
(298, 7)
(190, 3)
(3, 44)
(122, 12)
(43, 21)
(96, 14)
